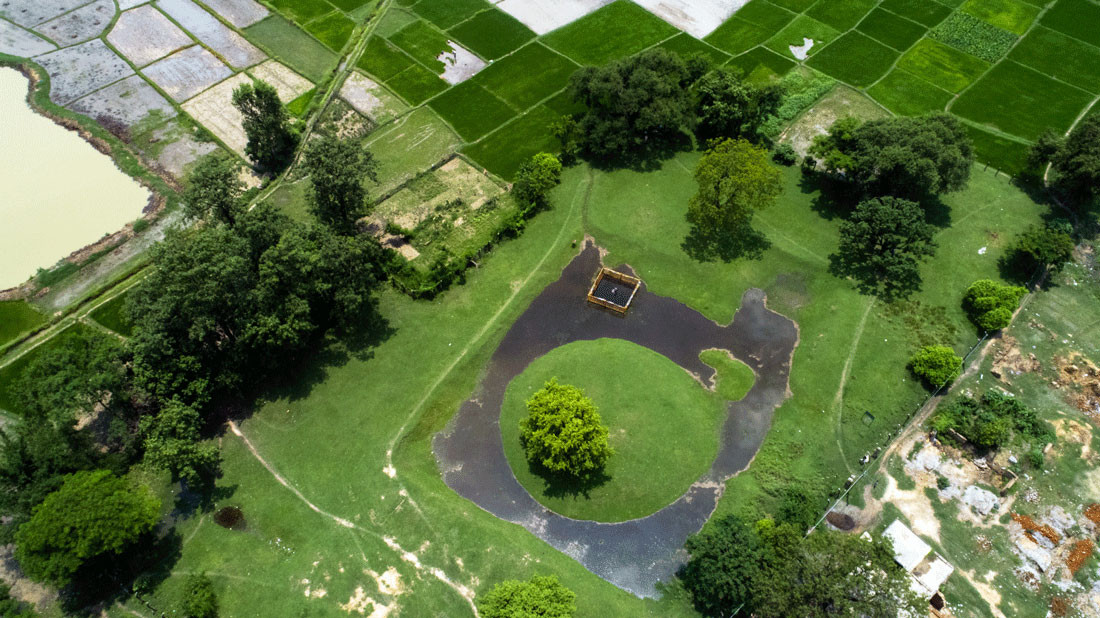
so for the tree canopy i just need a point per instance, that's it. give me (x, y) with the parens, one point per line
(536, 177)
(768, 570)
(991, 421)
(882, 245)
(990, 305)
(541, 597)
(727, 107)
(635, 109)
(271, 141)
(199, 599)
(563, 431)
(214, 190)
(173, 443)
(911, 158)
(735, 180)
(936, 365)
(337, 169)
(1075, 160)
(93, 514)
(1039, 246)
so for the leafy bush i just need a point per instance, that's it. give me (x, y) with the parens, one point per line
(563, 431)
(974, 36)
(535, 179)
(936, 365)
(541, 597)
(199, 598)
(992, 421)
(784, 154)
(990, 304)
(140, 225)
(1036, 247)
(941, 482)
(800, 91)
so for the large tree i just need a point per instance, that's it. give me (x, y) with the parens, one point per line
(337, 169)
(1039, 246)
(271, 141)
(563, 432)
(1075, 160)
(536, 177)
(635, 109)
(912, 158)
(727, 107)
(173, 443)
(92, 515)
(214, 190)
(882, 245)
(541, 597)
(768, 570)
(735, 180)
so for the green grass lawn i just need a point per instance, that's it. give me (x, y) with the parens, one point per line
(1021, 101)
(471, 110)
(112, 315)
(854, 58)
(615, 31)
(292, 46)
(942, 65)
(492, 34)
(16, 318)
(733, 378)
(661, 422)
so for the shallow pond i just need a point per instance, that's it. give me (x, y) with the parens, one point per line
(59, 193)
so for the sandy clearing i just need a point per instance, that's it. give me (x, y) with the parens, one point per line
(287, 83)
(214, 110)
(177, 152)
(542, 16)
(85, 23)
(916, 507)
(459, 64)
(188, 72)
(128, 101)
(803, 50)
(238, 52)
(145, 34)
(370, 99)
(28, 13)
(696, 17)
(76, 71)
(19, 42)
(240, 13)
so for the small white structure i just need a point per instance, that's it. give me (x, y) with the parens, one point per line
(927, 569)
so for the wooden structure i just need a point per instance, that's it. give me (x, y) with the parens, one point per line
(613, 290)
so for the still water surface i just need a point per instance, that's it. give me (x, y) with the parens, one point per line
(57, 192)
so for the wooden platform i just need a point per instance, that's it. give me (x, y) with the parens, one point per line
(613, 290)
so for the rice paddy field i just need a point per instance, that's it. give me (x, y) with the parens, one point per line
(345, 506)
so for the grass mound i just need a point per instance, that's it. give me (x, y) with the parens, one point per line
(663, 426)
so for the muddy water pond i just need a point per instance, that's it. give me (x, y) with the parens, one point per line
(57, 192)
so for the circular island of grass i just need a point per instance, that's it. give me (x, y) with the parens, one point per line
(662, 423)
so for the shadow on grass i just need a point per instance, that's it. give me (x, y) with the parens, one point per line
(112, 578)
(709, 246)
(558, 485)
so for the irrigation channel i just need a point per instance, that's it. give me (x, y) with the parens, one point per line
(634, 555)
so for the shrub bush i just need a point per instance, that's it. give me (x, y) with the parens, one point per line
(140, 225)
(990, 304)
(784, 154)
(937, 365)
(993, 421)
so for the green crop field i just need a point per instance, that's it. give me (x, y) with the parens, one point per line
(766, 15)
(617, 30)
(687, 46)
(943, 66)
(472, 110)
(292, 46)
(112, 314)
(505, 150)
(1077, 18)
(663, 427)
(527, 76)
(906, 94)
(737, 35)
(334, 30)
(974, 36)
(492, 34)
(885, 27)
(450, 13)
(841, 14)
(920, 11)
(801, 28)
(854, 58)
(762, 65)
(1007, 155)
(424, 43)
(1012, 15)
(416, 84)
(1021, 101)
(1061, 57)
(16, 318)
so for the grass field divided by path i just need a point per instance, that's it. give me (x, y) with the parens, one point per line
(1077, 18)
(895, 31)
(1060, 56)
(943, 66)
(841, 15)
(449, 13)
(661, 422)
(504, 151)
(906, 94)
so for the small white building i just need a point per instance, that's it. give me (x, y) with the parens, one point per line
(927, 569)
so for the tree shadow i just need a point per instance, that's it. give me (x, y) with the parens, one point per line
(110, 578)
(836, 198)
(868, 281)
(936, 212)
(560, 485)
(649, 156)
(200, 499)
(709, 246)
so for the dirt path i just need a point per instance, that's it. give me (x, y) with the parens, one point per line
(838, 401)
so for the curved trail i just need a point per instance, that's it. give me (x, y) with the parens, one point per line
(838, 401)
(634, 555)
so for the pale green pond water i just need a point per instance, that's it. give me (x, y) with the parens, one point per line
(58, 192)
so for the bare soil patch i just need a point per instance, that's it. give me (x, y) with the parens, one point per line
(19, 42)
(287, 83)
(188, 72)
(214, 110)
(86, 22)
(127, 102)
(842, 101)
(1082, 378)
(31, 13)
(230, 517)
(76, 71)
(238, 52)
(371, 99)
(145, 34)
(240, 13)
(1009, 361)
(696, 17)
(542, 16)
(459, 64)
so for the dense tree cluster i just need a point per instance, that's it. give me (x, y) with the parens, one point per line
(727, 107)
(563, 432)
(992, 421)
(881, 246)
(534, 180)
(768, 570)
(990, 305)
(541, 597)
(937, 365)
(1039, 246)
(1074, 161)
(911, 158)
